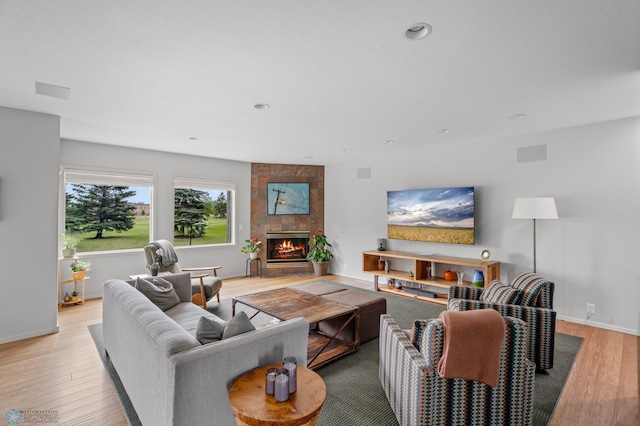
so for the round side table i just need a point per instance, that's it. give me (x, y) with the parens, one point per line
(252, 406)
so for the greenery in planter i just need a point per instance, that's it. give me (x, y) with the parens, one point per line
(320, 252)
(74, 294)
(253, 246)
(70, 240)
(78, 265)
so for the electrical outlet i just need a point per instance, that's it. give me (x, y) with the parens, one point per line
(591, 308)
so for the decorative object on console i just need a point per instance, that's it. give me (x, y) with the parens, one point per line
(535, 208)
(382, 244)
(478, 278)
(485, 255)
(449, 275)
(319, 255)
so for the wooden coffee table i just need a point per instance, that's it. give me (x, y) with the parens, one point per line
(252, 406)
(288, 303)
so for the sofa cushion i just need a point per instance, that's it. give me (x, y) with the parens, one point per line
(238, 325)
(209, 330)
(159, 291)
(497, 292)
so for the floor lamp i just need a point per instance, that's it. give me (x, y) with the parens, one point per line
(535, 208)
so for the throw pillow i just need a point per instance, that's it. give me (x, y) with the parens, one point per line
(209, 330)
(238, 325)
(497, 292)
(159, 291)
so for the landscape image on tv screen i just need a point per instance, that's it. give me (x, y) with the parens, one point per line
(444, 215)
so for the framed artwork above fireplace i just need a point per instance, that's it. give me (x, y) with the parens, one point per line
(287, 198)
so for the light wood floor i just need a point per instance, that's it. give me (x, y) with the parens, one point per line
(62, 372)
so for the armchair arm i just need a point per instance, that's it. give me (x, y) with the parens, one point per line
(541, 324)
(204, 268)
(464, 292)
(403, 373)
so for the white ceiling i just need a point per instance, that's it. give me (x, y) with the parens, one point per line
(340, 76)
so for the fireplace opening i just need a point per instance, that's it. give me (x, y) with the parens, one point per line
(287, 248)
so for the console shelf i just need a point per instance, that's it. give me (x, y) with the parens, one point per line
(427, 280)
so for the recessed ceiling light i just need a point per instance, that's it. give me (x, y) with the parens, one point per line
(52, 90)
(388, 142)
(516, 116)
(444, 131)
(262, 106)
(193, 138)
(347, 150)
(309, 157)
(418, 31)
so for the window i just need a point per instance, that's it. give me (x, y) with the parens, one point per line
(108, 210)
(203, 212)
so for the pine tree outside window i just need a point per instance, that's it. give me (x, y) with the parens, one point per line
(108, 210)
(203, 212)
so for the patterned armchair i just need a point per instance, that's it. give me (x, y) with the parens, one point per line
(528, 297)
(419, 396)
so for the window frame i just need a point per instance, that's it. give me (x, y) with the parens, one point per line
(215, 184)
(106, 176)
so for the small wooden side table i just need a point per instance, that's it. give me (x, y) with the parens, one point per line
(249, 269)
(252, 406)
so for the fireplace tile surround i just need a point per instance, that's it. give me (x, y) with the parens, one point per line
(262, 223)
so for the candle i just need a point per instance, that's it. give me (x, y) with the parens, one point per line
(281, 392)
(270, 380)
(291, 366)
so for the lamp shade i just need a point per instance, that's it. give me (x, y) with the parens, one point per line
(535, 208)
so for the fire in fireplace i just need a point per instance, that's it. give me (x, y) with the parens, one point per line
(287, 247)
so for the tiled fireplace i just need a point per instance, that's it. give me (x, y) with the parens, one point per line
(290, 261)
(287, 249)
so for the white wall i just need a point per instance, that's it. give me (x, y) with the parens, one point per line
(590, 252)
(28, 223)
(165, 166)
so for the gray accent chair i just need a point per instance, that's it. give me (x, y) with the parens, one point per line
(205, 283)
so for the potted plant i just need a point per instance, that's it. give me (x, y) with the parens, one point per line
(252, 247)
(79, 269)
(70, 242)
(74, 296)
(319, 255)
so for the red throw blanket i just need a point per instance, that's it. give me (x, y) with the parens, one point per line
(472, 345)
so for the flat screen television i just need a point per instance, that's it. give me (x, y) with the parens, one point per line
(442, 215)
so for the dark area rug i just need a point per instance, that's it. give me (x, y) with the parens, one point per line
(354, 393)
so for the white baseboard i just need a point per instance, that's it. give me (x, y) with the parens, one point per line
(29, 335)
(599, 325)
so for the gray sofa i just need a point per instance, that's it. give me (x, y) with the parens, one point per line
(169, 376)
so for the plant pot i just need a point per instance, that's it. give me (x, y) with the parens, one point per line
(253, 255)
(320, 268)
(79, 275)
(154, 271)
(68, 253)
(74, 298)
